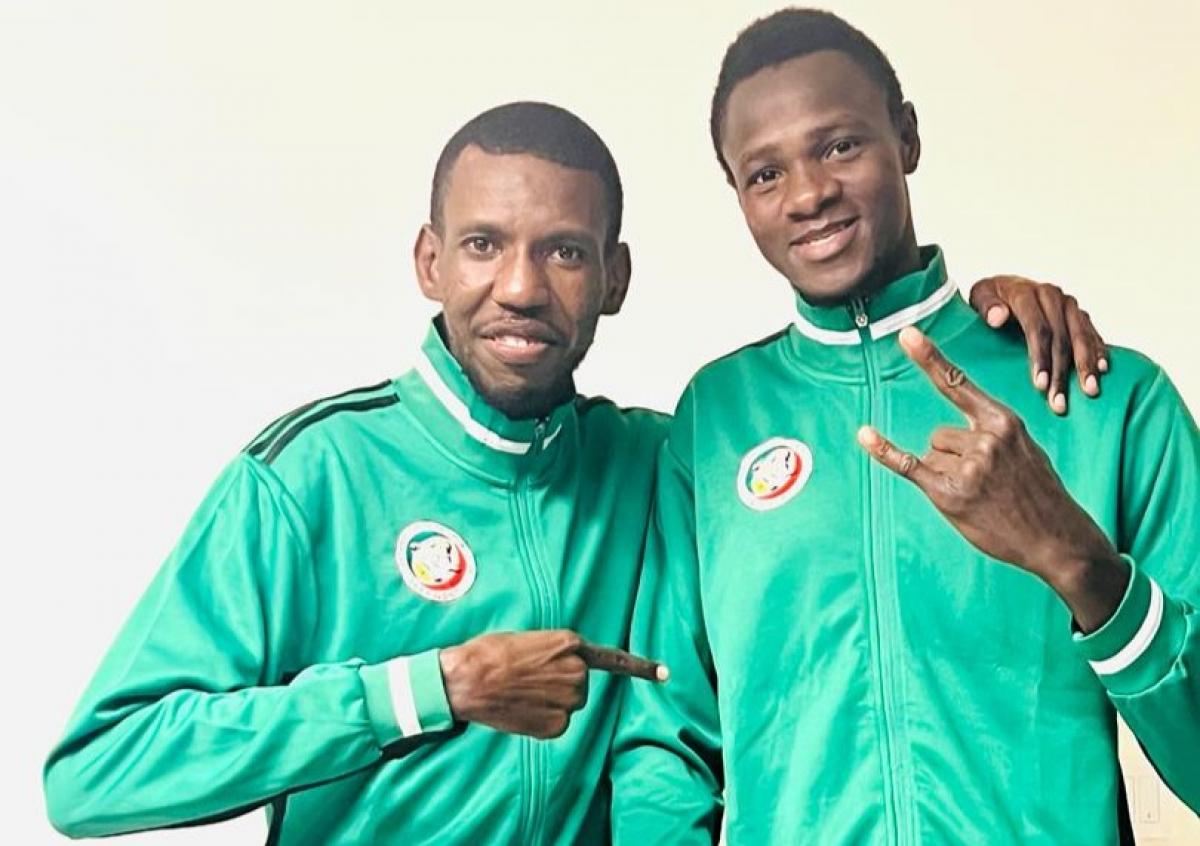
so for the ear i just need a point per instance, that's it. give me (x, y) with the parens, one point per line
(617, 269)
(426, 252)
(910, 139)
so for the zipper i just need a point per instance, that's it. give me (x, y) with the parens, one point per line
(881, 601)
(858, 308)
(534, 754)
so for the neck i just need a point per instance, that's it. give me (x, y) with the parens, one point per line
(905, 259)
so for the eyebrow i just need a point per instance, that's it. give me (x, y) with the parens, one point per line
(477, 227)
(580, 235)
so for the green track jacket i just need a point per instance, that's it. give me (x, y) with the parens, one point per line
(287, 652)
(847, 668)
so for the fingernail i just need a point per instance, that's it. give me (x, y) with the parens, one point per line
(662, 673)
(996, 316)
(1042, 380)
(1103, 365)
(1091, 385)
(1059, 403)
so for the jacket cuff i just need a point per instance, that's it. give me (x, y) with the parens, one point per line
(1136, 648)
(406, 697)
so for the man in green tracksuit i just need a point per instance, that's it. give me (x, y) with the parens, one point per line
(867, 646)
(316, 641)
(328, 639)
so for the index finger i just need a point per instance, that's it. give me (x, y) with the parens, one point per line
(947, 377)
(622, 663)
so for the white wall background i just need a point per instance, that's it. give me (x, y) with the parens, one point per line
(206, 211)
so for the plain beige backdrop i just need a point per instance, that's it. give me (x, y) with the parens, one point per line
(206, 212)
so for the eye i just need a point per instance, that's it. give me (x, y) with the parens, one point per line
(843, 148)
(568, 254)
(764, 176)
(480, 245)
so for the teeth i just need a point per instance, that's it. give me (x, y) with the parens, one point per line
(514, 341)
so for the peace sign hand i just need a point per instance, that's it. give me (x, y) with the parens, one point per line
(998, 489)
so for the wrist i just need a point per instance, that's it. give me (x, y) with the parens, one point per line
(1092, 586)
(1071, 572)
(456, 677)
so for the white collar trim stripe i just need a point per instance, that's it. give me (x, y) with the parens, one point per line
(883, 327)
(829, 337)
(458, 410)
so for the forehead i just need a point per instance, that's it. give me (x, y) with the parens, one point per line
(801, 95)
(522, 191)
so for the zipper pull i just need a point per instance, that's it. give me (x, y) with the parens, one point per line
(539, 432)
(859, 307)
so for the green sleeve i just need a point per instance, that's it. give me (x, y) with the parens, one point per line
(195, 712)
(1148, 654)
(666, 770)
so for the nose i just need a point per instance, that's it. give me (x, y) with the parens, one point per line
(520, 284)
(811, 188)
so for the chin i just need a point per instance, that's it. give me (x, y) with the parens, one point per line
(826, 290)
(830, 283)
(518, 397)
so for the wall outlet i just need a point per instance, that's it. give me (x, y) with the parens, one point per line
(1147, 805)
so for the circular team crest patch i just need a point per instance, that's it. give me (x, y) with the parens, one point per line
(434, 561)
(773, 472)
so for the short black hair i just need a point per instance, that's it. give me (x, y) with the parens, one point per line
(537, 129)
(789, 34)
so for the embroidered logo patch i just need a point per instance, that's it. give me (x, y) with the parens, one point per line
(773, 472)
(434, 561)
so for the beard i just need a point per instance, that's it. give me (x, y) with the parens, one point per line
(522, 402)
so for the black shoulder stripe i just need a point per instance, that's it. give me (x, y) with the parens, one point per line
(585, 404)
(263, 439)
(761, 342)
(328, 411)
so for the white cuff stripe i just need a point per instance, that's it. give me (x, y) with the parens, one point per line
(884, 326)
(403, 703)
(1141, 639)
(458, 409)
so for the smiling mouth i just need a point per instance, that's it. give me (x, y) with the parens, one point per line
(816, 236)
(827, 242)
